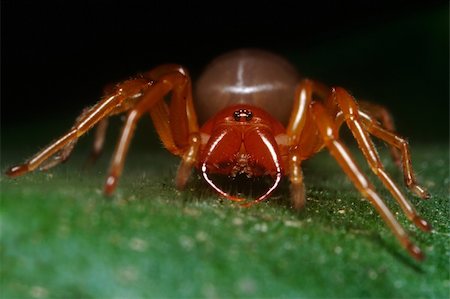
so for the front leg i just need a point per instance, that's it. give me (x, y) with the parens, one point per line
(306, 91)
(89, 118)
(175, 124)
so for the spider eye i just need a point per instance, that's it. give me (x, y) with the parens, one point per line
(242, 113)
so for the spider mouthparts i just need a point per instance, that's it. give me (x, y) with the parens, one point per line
(17, 170)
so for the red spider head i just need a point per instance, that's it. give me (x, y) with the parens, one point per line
(242, 142)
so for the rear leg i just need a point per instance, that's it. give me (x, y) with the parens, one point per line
(100, 131)
(99, 141)
(402, 145)
(353, 119)
(329, 133)
(382, 114)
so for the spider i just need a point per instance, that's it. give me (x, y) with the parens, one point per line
(258, 119)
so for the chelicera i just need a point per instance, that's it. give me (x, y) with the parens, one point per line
(258, 118)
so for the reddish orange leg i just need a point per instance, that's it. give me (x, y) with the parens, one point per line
(188, 161)
(350, 109)
(102, 126)
(99, 141)
(177, 125)
(184, 143)
(59, 157)
(297, 187)
(329, 133)
(305, 92)
(62, 146)
(63, 154)
(402, 145)
(382, 115)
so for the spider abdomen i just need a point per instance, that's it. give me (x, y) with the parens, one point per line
(248, 76)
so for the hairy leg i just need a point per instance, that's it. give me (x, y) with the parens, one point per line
(90, 117)
(177, 124)
(152, 101)
(353, 119)
(329, 133)
(382, 114)
(402, 145)
(99, 141)
(306, 91)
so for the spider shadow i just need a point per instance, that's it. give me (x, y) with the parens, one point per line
(391, 247)
(327, 217)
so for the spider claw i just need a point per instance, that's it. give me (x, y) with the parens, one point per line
(422, 224)
(110, 185)
(415, 251)
(421, 192)
(298, 197)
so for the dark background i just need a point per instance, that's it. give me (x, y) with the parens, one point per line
(56, 57)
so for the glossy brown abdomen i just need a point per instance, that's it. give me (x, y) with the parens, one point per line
(249, 76)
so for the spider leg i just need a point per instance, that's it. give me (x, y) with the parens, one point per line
(382, 114)
(177, 124)
(185, 143)
(99, 141)
(64, 153)
(402, 145)
(187, 146)
(100, 130)
(338, 150)
(353, 119)
(60, 157)
(297, 186)
(305, 92)
(62, 146)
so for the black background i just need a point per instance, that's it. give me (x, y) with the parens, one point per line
(56, 57)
